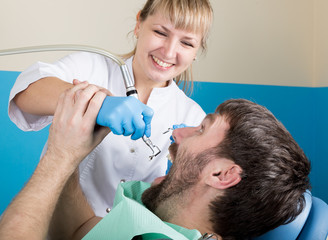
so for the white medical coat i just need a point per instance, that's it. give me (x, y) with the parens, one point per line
(116, 157)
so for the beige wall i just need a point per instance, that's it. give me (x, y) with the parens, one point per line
(321, 43)
(99, 23)
(275, 42)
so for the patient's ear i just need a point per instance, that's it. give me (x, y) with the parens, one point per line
(222, 174)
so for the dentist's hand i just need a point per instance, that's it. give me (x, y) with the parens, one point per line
(126, 116)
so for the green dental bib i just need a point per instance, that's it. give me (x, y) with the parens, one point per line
(129, 218)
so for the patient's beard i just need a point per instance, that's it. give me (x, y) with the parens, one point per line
(183, 174)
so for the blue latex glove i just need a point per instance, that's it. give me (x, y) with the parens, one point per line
(126, 116)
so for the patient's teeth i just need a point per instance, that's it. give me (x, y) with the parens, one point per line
(169, 158)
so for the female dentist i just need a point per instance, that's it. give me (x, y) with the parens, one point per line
(169, 34)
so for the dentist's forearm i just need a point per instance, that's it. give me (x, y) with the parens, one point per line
(41, 97)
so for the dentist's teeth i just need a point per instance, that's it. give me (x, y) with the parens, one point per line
(161, 63)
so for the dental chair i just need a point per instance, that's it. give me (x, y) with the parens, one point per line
(311, 224)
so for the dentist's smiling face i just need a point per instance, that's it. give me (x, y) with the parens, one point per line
(163, 52)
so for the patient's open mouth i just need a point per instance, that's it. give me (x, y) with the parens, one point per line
(169, 158)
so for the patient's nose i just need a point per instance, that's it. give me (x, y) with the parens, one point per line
(180, 134)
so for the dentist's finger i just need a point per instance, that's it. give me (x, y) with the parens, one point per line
(139, 126)
(148, 114)
(115, 126)
(128, 128)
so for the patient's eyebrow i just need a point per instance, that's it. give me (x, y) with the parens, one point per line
(210, 117)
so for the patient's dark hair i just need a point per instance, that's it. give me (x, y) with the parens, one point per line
(274, 173)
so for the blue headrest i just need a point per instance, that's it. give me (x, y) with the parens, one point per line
(291, 230)
(316, 226)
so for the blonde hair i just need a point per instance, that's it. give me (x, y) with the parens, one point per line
(191, 15)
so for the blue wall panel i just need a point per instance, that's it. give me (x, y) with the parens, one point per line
(320, 126)
(19, 151)
(304, 112)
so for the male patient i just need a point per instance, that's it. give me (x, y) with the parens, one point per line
(237, 175)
